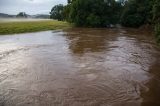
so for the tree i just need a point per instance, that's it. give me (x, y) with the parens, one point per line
(57, 12)
(122, 1)
(137, 13)
(94, 13)
(156, 19)
(156, 11)
(22, 15)
(66, 12)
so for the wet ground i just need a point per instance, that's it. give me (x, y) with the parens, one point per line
(80, 67)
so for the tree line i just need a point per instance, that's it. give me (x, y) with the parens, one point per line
(103, 13)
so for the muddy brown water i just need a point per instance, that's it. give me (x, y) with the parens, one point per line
(80, 67)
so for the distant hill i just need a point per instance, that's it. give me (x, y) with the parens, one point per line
(3, 15)
(43, 16)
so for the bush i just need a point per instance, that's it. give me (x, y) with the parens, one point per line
(133, 20)
(94, 13)
(93, 21)
(57, 12)
(156, 11)
(137, 13)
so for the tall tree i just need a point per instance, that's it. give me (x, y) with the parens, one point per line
(137, 13)
(57, 12)
(156, 11)
(22, 15)
(156, 18)
(94, 13)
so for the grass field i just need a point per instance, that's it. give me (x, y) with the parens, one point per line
(13, 27)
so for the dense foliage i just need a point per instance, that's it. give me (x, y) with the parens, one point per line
(156, 11)
(141, 12)
(93, 13)
(101, 13)
(22, 15)
(137, 13)
(104, 13)
(57, 12)
(156, 18)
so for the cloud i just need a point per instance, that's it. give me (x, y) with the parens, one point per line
(36, 1)
(28, 6)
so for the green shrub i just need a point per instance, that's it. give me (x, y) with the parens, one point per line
(93, 13)
(134, 20)
(93, 21)
(137, 13)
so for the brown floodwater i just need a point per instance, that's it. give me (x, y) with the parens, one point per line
(80, 67)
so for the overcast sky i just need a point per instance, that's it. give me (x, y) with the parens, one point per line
(28, 6)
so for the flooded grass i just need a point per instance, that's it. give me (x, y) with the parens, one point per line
(12, 27)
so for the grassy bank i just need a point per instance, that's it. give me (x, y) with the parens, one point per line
(31, 26)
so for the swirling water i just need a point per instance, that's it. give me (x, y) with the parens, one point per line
(80, 67)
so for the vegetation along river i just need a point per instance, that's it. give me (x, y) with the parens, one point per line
(80, 67)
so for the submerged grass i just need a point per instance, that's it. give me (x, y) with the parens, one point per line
(31, 26)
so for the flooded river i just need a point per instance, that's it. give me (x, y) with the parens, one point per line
(80, 67)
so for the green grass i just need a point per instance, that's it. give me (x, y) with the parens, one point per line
(31, 26)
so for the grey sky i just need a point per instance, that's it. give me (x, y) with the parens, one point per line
(28, 6)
